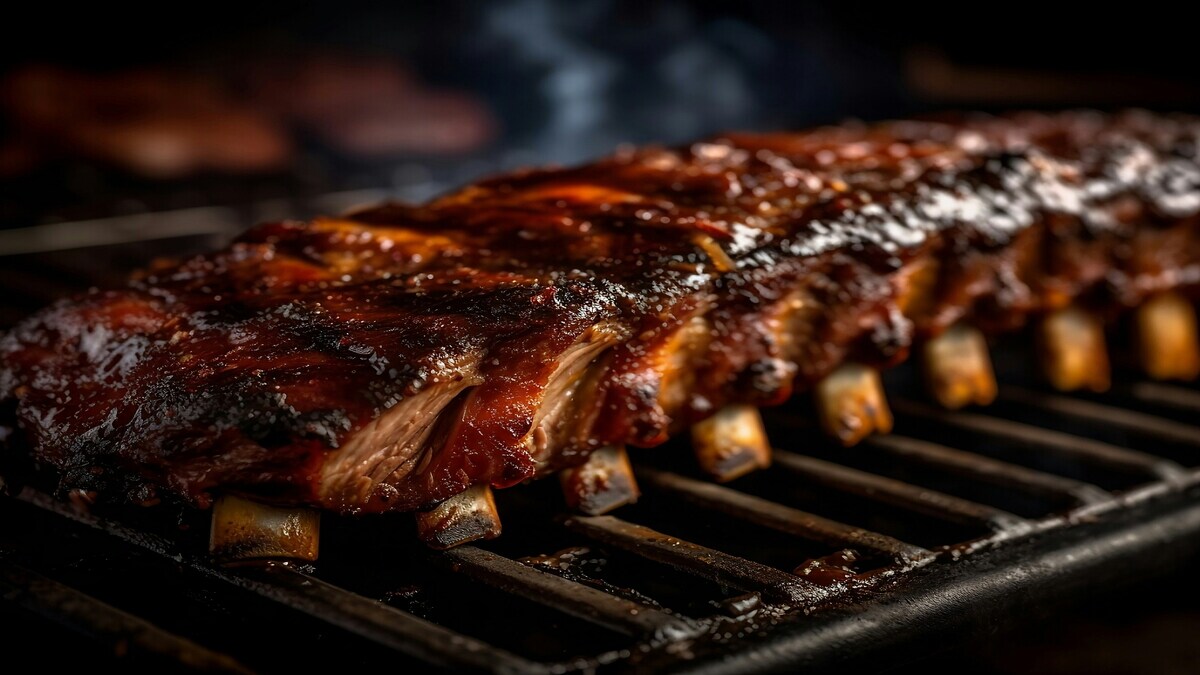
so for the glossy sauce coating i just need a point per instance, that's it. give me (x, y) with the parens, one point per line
(389, 359)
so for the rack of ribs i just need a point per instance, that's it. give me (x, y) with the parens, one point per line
(413, 357)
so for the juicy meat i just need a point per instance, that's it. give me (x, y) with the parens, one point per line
(389, 359)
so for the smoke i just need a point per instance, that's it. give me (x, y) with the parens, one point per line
(577, 78)
(606, 72)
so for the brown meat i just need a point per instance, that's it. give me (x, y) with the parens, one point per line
(389, 359)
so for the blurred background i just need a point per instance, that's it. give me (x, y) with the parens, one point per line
(117, 112)
(128, 134)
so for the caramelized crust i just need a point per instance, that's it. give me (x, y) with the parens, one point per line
(389, 359)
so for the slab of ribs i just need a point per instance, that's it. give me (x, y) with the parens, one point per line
(392, 358)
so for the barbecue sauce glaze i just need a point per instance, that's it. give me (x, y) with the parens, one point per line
(533, 317)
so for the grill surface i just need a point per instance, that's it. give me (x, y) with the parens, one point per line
(831, 557)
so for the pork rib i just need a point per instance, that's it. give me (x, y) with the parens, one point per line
(391, 358)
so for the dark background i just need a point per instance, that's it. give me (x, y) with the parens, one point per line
(489, 86)
(553, 81)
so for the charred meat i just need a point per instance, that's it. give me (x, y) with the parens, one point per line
(393, 358)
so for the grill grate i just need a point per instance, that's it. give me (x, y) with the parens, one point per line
(829, 556)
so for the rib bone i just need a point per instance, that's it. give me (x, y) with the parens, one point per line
(465, 517)
(244, 530)
(1167, 338)
(601, 484)
(1073, 351)
(851, 404)
(958, 369)
(732, 443)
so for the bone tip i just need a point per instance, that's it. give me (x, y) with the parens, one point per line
(602, 484)
(1178, 373)
(244, 530)
(852, 405)
(958, 368)
(1168, 345)
(732, 443)
(1073, 350)
(468, 516)
(855, 426)
(739, 462)
(958, 396)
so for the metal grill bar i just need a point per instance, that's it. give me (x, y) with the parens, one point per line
(1103, 454)
(898, 493)
(1108, 415)
(206, 220)
(404, 632)
(700, 561)
(568, 597)
(778, 517)
(380, 623)
(84, 614)
(1171, 396)
(989, 470)
(982, 599)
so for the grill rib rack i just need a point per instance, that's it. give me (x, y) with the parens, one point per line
(831, 557)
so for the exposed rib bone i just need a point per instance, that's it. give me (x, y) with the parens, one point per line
(851, 404)
(1167, 338)
(601, 484)
(732, 443)
(465, 517)
(1073, 351)
(244, 530)
(958, 369)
